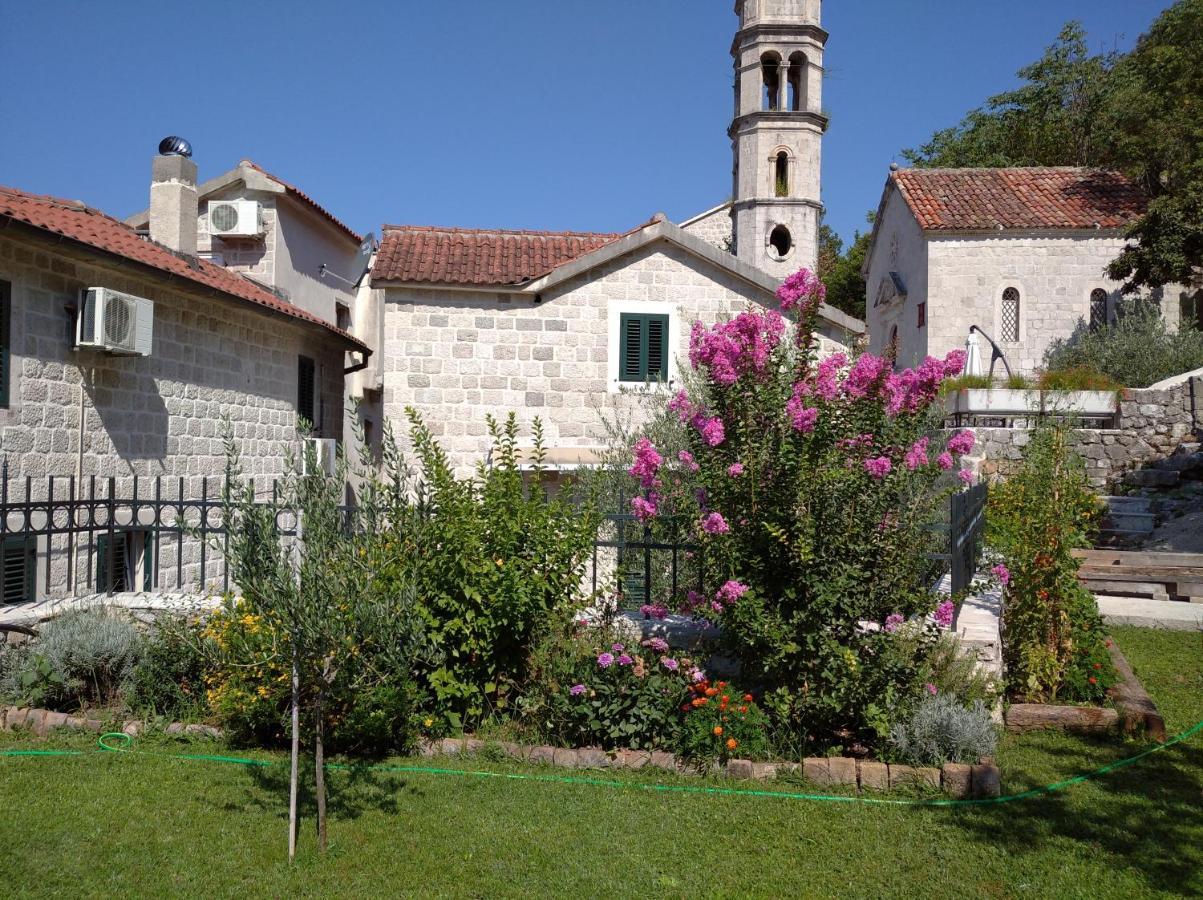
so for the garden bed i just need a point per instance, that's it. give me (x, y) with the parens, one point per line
(956, 779)
(1133, 709)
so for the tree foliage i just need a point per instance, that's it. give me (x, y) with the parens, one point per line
(840, 269)
(1140, 113)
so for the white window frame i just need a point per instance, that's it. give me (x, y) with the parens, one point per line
(614, 335)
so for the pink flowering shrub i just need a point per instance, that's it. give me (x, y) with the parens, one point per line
(809, 485)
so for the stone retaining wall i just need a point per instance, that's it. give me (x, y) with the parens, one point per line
(1151, 425)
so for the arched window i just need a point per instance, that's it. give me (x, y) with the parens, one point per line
(770, 67)
(796, 76)
(1009, 315)
(1098, 309)
(781, 241)
(781, 175)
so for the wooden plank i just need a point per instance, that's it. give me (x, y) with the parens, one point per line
(1183, 573)
(1139, 558)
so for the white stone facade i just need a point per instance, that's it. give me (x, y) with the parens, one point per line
(212, 359)
(960, 279)
(458, 355)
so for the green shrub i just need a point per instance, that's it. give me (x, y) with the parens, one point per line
(809, 486)
(1053, 638)
(496, 558)
(588, 689)
(169, 679)
(1078, 378)
(83, 657)
(1135, 350)
(942, 730)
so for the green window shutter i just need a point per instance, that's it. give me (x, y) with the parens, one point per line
(148, 560)
(642, 347)
(103, 559)
(305, 378)
(17, 570)
(6, 293)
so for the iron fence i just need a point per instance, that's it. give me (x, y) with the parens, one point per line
(66, 536)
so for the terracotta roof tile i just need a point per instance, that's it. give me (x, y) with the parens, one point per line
(93, 228)
(423, 254)
(1042, 198)
(305, 198)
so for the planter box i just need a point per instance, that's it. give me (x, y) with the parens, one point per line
(1006, 403)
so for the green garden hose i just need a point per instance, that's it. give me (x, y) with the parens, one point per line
(116, 742)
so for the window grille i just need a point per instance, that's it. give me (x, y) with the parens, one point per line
(1010, 315)
(1098, 309)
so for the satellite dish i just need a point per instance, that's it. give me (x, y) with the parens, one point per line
(363, 258)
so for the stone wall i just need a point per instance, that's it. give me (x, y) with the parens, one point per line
(714, 227)
(457, 356)
(212, 359)
(1151, 425)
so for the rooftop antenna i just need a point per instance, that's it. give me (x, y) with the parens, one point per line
(363, 260)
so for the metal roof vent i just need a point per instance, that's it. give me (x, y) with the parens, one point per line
(175, 146)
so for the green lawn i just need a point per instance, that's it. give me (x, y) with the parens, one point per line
(107, 825)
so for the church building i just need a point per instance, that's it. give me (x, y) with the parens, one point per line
(570, 326)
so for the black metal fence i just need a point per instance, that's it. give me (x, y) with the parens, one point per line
(67, 536)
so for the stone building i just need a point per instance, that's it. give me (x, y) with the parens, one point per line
(280, 237)
(190, 345)
(1019, 253)
(569, 327)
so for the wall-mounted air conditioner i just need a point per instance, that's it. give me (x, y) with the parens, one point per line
(324, 457)
(235, 218)
(116, 322)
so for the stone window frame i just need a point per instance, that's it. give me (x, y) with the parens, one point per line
(615, 309)
(19, 299)
(1024, 300)
(1092, 323)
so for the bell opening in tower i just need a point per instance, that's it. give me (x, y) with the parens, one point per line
(770, 66)
(780, 242)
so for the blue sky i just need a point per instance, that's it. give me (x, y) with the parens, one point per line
(542, 114)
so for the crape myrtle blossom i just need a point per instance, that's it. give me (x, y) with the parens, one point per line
(729, 593)
(916, 457)
(735, 470)
(913, 390)
(688, 461)
(1002, 573)
(731, 350)
(801, 416)
(944, 461)
(802, 291)
(645, 508)
(714, 523)
(878, 467)
(966, 476)
(647, 463)
(961, 443)
(711, 429)
(654, 611)
(944, 613)
(681, 406)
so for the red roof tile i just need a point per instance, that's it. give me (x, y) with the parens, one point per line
(413, 253)
(93, 228)
(299, 194)
(987, 199)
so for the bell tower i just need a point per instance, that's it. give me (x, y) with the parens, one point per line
(777, 133)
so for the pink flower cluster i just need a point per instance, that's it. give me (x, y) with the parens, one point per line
(944, 613)
(802, 291)
(916, 457)
(802, 417)
(712, 430)
(913, 390)
(654, 611)
(1003, 574)
(656, 645)
(714, 523)
(688, 461)
(645, 508)
(647, 463)
(728, 594)
(961, 443)
(735, 470)
(740, 347)
(878, 467)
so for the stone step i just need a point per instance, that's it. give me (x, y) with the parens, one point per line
(1166, 614)
(1124, 504)
(1130, 521)
(1151, 478)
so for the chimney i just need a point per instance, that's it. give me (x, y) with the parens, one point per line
(173, 203)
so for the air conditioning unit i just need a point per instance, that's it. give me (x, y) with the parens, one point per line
(325, 457)
(235, 218)
(116, 322)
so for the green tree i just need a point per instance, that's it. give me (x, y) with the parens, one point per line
(840, 269)
(1057, 117)
(1157, 128)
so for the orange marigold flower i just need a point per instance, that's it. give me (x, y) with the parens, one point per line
(722, 684)
(726, 699)
(697, 702)
(710, 692)
(748, 698)
(743, 709)
(718, 729)
(732, 743)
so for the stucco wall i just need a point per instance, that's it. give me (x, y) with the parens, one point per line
(898, 247)
(457, 356)
(159, 415)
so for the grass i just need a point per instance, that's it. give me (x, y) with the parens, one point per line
(107, 824)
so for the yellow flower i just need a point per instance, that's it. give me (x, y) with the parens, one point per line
(428, 722)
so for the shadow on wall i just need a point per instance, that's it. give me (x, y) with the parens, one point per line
(132, 415)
